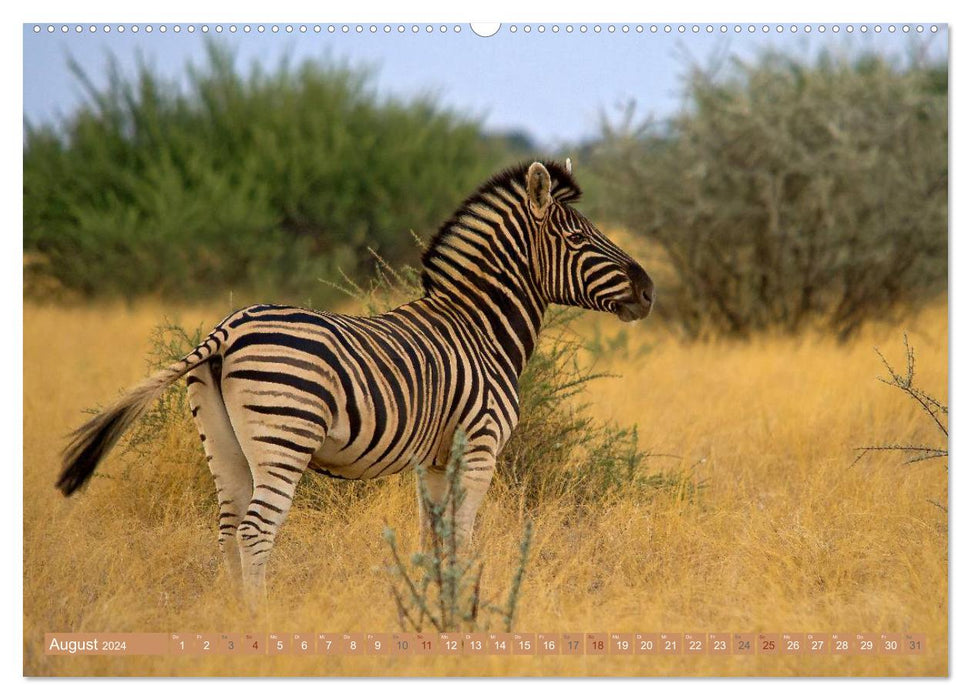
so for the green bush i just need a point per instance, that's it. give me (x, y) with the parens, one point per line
(786, 194)
(561, 449)
(264, 182)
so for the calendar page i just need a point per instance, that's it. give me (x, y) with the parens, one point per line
(517, 349)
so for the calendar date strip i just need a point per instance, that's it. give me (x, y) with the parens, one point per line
(486, 644)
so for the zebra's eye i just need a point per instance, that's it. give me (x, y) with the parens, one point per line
(576, 238)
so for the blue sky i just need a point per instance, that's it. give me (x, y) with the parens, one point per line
(552, 85)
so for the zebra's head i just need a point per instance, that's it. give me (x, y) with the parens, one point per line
(574, 263)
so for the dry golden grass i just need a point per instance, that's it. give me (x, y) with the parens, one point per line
(786, 535)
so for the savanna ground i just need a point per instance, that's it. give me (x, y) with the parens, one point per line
(785, 533)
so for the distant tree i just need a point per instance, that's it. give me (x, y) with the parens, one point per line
(264, 181)
(788, 194)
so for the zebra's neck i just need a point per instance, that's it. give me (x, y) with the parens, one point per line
(479, 266)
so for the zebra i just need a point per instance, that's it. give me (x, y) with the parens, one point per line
(276, 391)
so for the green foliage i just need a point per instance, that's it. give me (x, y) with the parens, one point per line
(561, 448)
(169, 342)
(266, 181)
(619, 344)
(164, 441)
(447, 591)
(787, 194)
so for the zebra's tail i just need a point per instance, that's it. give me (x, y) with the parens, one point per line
(93, 440)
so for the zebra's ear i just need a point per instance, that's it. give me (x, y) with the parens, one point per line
(538, 185)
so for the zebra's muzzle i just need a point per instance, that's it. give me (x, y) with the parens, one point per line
(641, 300)
(633, 310)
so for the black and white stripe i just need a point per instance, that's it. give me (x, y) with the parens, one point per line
(277, 390)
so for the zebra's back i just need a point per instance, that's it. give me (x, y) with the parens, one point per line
(364, 396)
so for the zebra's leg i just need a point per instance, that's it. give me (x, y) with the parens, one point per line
(279, 425)
(278, 448)
(228, 465)
(276, 474)
(474, 482)
(435, 485)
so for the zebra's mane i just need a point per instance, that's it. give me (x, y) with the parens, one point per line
(563, 188)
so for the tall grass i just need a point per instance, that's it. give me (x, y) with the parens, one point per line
(265, 181)
(786, 535)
